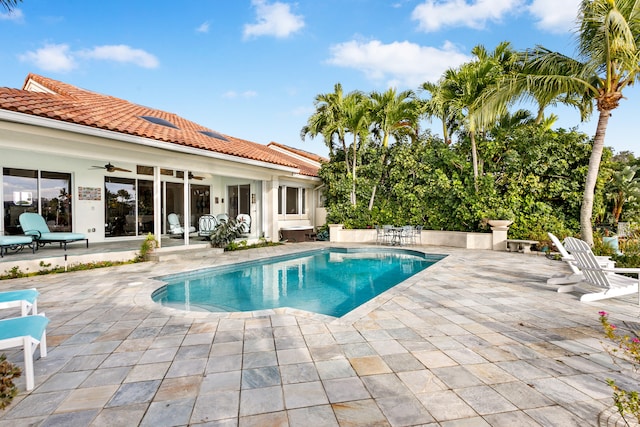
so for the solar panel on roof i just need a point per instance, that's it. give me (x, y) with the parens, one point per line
(159, 121)
(213, 134)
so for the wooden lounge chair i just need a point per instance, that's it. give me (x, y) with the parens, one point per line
(34, 225)
(27, 332)
(26, 299)
(610, 283)
(576, 275)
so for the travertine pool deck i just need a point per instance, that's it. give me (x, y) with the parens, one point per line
(478, 339)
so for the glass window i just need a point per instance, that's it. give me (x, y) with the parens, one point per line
(303, 202)
(292, 200)
(145, 207)
(239, 198)
(120, 206)
(280, 200)
(20, 195)
(46, 193)
(55, 200)
(144, 170)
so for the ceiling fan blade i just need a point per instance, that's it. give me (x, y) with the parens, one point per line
(114, 168)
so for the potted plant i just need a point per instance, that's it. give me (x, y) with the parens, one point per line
(499, 218)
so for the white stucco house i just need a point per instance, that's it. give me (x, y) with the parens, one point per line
(114, 170)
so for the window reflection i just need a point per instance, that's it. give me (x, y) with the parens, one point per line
(21, 194)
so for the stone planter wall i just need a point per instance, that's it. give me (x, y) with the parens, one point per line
(456, 239)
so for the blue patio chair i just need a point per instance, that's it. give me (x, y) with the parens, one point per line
(27, 332)
(34, 225)
(15, 243)
(26, 299)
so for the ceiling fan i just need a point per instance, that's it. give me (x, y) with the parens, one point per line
(192, 176)
(110, 168)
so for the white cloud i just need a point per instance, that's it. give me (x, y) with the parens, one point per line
(122, 53)
(52, 57)
(556, 16)
(15, 15)
(232, 94)
(432, 16)
(273, 19)
(400, 63)
(60, 58)
(203, 28)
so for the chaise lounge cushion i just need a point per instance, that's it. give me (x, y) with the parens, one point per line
(34, 225)
(15, 242)
(27, 332)
(26, 299)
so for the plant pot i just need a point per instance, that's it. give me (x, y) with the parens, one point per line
(500, 224)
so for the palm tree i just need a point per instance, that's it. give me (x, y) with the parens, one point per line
(9, 4)
(623, 187)
(357, 119)
(464, 90)
(439, 107)
(328, 121)
(608, 61)
(392, 114)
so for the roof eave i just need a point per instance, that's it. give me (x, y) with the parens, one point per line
(29, 119)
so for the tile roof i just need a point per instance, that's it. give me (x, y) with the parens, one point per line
(311, 156)
(75, 105)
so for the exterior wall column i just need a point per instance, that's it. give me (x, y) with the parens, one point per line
(270, 202)
(186, 215)
(499, 230)
(157, 205)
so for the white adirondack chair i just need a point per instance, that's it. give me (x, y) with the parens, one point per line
(576, 275)
(610, 283)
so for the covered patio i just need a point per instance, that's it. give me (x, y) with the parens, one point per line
(477, 339)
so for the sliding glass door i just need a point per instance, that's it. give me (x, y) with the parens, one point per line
(46, 193)
(239, 197)
(128, 207)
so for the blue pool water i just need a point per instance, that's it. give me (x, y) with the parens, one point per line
(328, 281)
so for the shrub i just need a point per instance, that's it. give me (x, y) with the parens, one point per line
(225, 233)
(148, 245)
(8, 390)
(628, 348)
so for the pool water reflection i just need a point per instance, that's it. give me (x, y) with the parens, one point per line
(328, 281)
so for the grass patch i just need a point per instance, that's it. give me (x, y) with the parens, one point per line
(240, 246)
(15, 272)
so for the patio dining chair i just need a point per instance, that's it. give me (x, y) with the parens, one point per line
(207, 225)
(379, 235)
(387, 234)
(407, 236)
(417, 234)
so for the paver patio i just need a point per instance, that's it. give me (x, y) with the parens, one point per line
(478, 339)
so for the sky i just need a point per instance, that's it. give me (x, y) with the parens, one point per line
(252, 68)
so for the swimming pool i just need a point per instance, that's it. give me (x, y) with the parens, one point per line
(330, 281)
